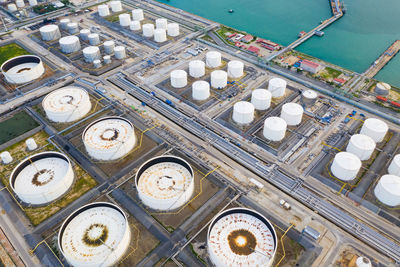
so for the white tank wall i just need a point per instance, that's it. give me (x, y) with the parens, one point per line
(116, 6)
(261, 99)
(213, 59)
(103, 10)
(274, 129)
(161, 23)
(50, 32)
(64, 22)
(137, 14)
(119, 52)
(277, 87)
(94, 39)
(69, 44)
(32, 2)
(73, 27)
(160, 35)
(107, 59)
(6, 157)
(124, 20)
(91, 53)
(148, 30)
(374, 128)
(243, 112)
(309, 97)
(363, 262)
(84, 34)
(97, 63)
(173, 29)
(235, 69)
(135, 25)
(345, 166)
(197, 68)
(219, 79)
(20, 3)
(178, 78)
(109, 47)
(14, 76)
(387, 190)
(200, 90)
(394, 167)
(31, 144)
(361, 145)
(292, 113)
(12, 7)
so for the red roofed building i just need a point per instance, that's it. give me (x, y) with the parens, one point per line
(339, 81)
(254, 49)
(310, 66)
(232, 35)
(247, 38)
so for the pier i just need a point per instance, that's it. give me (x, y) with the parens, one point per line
(382, 60)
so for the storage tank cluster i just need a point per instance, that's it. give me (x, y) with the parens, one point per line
(241, 237)
(50, 32)
(165, 182)
(277, 87)
(22, 69)
(67, 104)
(178, 78)
(109, 138)
(243, 112)
(97, 234)
(42, 178)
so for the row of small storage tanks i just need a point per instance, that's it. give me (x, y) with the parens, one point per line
(347, 164)
(18, 4)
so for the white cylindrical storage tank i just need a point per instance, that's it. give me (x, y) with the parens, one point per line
(137, 14)
(84, 34)
(292, 113)
(213, 59)
(173, 29)
(394, 167)
(382, 88)
(160, 35)
(387, 190)
(73, 27)
(64, 23)
(135, 25)
(42, 178)
(107, 59)
(22, 69)
(119, 52)
(31, 144)
(200, 90)
(116, 6)
(97, 63)
(12, 7)
(161, 23)
(50, 32)
(241, 237)
(6, 157)
(103, 10)
(109, 47)
(20, 3)
(219, 79)
(148, 30)
(91, 53)
(67, 104)
(235, 69)
(96, 234)
(165, 182)
(109, 138)
(243, 112)
(277, 87)
(32, 2)
(124, 20)
(274, 129)
(363, 262)
(197, 68)
(261, 99)
(94, 39)
(69, 44)
(178, 78)
(375, 128)
(361, 145)
(309, 97)
(345, 166)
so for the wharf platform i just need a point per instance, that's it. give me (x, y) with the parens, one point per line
(382, 60)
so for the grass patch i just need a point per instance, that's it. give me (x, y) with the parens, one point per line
(11, 50)
(333, 72)
(18, 124)
(114, 17)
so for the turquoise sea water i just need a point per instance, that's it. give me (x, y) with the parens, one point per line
(353, 42)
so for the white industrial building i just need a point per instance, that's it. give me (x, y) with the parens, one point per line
(213, 59)
(200, 90)
(277, 87)
(243, 112)
(22, 69)
(261, 99)
(219, 79)
(345, 166)
(109, 138)
(375, 128)
(42, 178)
(387, 190)
(292, 113)
(67, 104)
(361, 145)
(274, 129)
(241, 237)
(96, 234)
(178, 78)
(165, 182)
(235, 69)
(50, 32)
(69, 44)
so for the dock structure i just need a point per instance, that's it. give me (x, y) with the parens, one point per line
(382, 60)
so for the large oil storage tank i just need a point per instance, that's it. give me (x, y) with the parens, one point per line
(116, 6)
(161, 23)
(22, 69)
(160, 35)
(200, 90)
(135, 25)
(120, 52)
(50, 32)
(67, 104)
(91, 53)
(363, 262)
(387, 190)
(178, 78)
(219, 79)
(124, 20)
(94, 39)
(97, 63)
(361, 145)
(277, 87)
(137, 14)
(84, 34)
(31, 144)
(274, 129)
(241, 237)
(213, 59)
(20, 3)
(64, 22)
(96, 234)
(382, 88)
(42, 178)
(109, 47)
(109, 138)
(148, 30)
(309, 97)
(394, 167)
(32, 2)
(69, 44)
(261, 99)
(243, 112)
(345, 166)
(235, 69)
(375, 128)
(5, 157)
(292, 113)
(103, 10)
(73, 27)
(12, 7)
(165, 182)
(197, 68)
(173, 29)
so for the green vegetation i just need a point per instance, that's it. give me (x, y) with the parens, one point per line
(11, 50)
(333, 72)
(114, 17)
(18, 124)
(43, 9)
